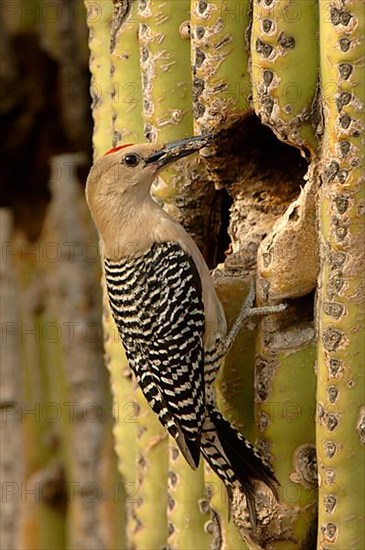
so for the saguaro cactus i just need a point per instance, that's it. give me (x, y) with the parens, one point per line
(287, 149)
(340, 389)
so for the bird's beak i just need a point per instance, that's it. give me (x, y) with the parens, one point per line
(177, 150)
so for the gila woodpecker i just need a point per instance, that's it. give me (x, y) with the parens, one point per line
(170, 321)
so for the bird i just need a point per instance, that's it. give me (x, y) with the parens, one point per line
(170, 321)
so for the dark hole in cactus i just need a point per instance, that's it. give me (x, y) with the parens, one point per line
(261, 173)
(300, 312)
(224, 200)
(249, 149)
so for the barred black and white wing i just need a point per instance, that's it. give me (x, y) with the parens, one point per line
(156, 300)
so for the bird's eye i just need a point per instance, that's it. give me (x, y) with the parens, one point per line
(131, 159)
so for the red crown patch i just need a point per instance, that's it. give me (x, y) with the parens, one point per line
(115, 149)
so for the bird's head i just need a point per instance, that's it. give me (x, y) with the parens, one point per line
(128, 171)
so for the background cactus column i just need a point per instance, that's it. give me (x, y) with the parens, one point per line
(86, 462)
(11, 469)
(67, 460)
(340, 392)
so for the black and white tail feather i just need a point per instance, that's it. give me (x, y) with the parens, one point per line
(234, 459)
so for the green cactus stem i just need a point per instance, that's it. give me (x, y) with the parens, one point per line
(285, 68)
(340, 393)
(126, 85)
(220, 52)
(149, 527)
(165, 63)
(188, 510)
